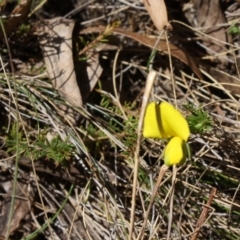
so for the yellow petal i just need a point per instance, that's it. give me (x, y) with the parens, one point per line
(175, 152)
(152, 120)
(164, 121)
(173, 122)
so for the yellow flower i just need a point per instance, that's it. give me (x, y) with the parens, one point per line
(176, 152)
(164, 121)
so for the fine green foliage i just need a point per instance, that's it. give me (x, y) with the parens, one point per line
(130, 129)
(151, 59)
(199, 121)
(38, 146)
(58, 150)
(24, 29)
(234, 30)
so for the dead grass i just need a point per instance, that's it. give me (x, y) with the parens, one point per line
(87, 195)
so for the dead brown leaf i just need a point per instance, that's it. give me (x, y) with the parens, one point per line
(56, 42)
(3, 4)
(228, 81)
(210, 17)
(72, 175)
(178, 53)
(74, 79)
(94, 71)
(175, 51)
(158, 13)
(24, 196)
(18, 14)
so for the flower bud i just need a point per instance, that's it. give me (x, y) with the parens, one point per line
(176, 152)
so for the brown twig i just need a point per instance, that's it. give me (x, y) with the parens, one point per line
(204, 214)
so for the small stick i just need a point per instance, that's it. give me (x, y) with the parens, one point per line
(171, 202)
(203, 214)
(150, 80)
